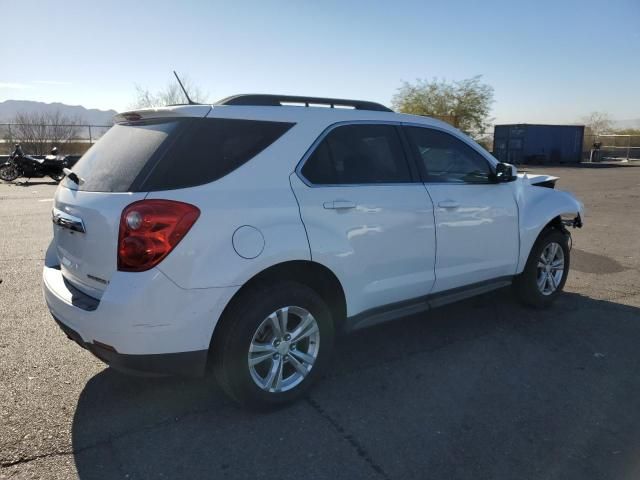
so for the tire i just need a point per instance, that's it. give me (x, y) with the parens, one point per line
(57, 177)
(251, 323)
(9, 173)
(538, 285)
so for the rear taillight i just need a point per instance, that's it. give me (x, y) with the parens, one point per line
(149, 230)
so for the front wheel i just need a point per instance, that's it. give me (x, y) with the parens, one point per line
(9, 173)
(273, 343)
(546, 271)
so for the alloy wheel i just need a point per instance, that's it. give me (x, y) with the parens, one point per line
(550, 268)
(284, 349)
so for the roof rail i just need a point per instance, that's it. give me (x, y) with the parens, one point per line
(278, 100)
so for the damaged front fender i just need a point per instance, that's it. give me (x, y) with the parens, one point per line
(539, 206)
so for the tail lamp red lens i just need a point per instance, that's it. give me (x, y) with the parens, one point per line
(149, 230)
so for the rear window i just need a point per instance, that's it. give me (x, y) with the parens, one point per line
(170, 154)
(116, 160)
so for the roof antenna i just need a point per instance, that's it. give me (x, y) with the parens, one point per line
(191, 102)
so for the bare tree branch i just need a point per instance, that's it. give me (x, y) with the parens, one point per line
(598, 123)
(39, 132)
(170, 95)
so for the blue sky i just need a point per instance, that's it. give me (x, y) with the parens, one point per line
(548, 61)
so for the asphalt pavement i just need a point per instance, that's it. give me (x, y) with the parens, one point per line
(482, 389)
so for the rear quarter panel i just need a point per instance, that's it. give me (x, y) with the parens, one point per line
(257, 194)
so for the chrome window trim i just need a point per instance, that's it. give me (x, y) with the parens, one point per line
(310, 151)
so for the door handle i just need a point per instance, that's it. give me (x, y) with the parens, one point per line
(339, 205)
(448, 204)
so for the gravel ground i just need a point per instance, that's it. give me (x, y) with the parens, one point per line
(481, 389)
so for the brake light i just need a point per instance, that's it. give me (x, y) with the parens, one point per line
(132, 117)
(149, 230)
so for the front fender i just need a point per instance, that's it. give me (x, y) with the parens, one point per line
(537, 206)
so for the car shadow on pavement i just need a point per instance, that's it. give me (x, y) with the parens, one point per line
(481, 389)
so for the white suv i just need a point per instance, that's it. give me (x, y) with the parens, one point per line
(246, 234)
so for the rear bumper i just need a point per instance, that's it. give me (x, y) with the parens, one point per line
(190, 364)
(143, 322)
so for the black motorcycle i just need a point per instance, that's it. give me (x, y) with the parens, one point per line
(21, 165)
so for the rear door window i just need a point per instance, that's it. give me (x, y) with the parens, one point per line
(210, 149)
(358, 154)
(171, 154)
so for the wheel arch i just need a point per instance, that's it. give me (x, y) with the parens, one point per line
(541, 208)
(532, 237)
(312, 274)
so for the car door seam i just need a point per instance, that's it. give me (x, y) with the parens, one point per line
(306, 232)
(519, 226)
(435, 237)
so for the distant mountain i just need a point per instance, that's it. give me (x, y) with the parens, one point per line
(90, 116)
(631, 123)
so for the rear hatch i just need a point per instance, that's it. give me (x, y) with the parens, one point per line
(112, 175)
(147, 151)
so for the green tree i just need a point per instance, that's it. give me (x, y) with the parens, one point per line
(465, 104)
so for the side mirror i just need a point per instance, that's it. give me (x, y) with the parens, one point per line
(505, 173)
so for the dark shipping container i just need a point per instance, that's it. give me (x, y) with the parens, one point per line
(542, 144)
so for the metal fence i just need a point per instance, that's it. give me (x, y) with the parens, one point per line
(82, 137)
(612, 147)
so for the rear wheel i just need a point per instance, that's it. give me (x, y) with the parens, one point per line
(9, 173)
(546, 271)
(274, 342)
(57, 177)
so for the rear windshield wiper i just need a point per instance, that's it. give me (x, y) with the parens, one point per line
(73, 177)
